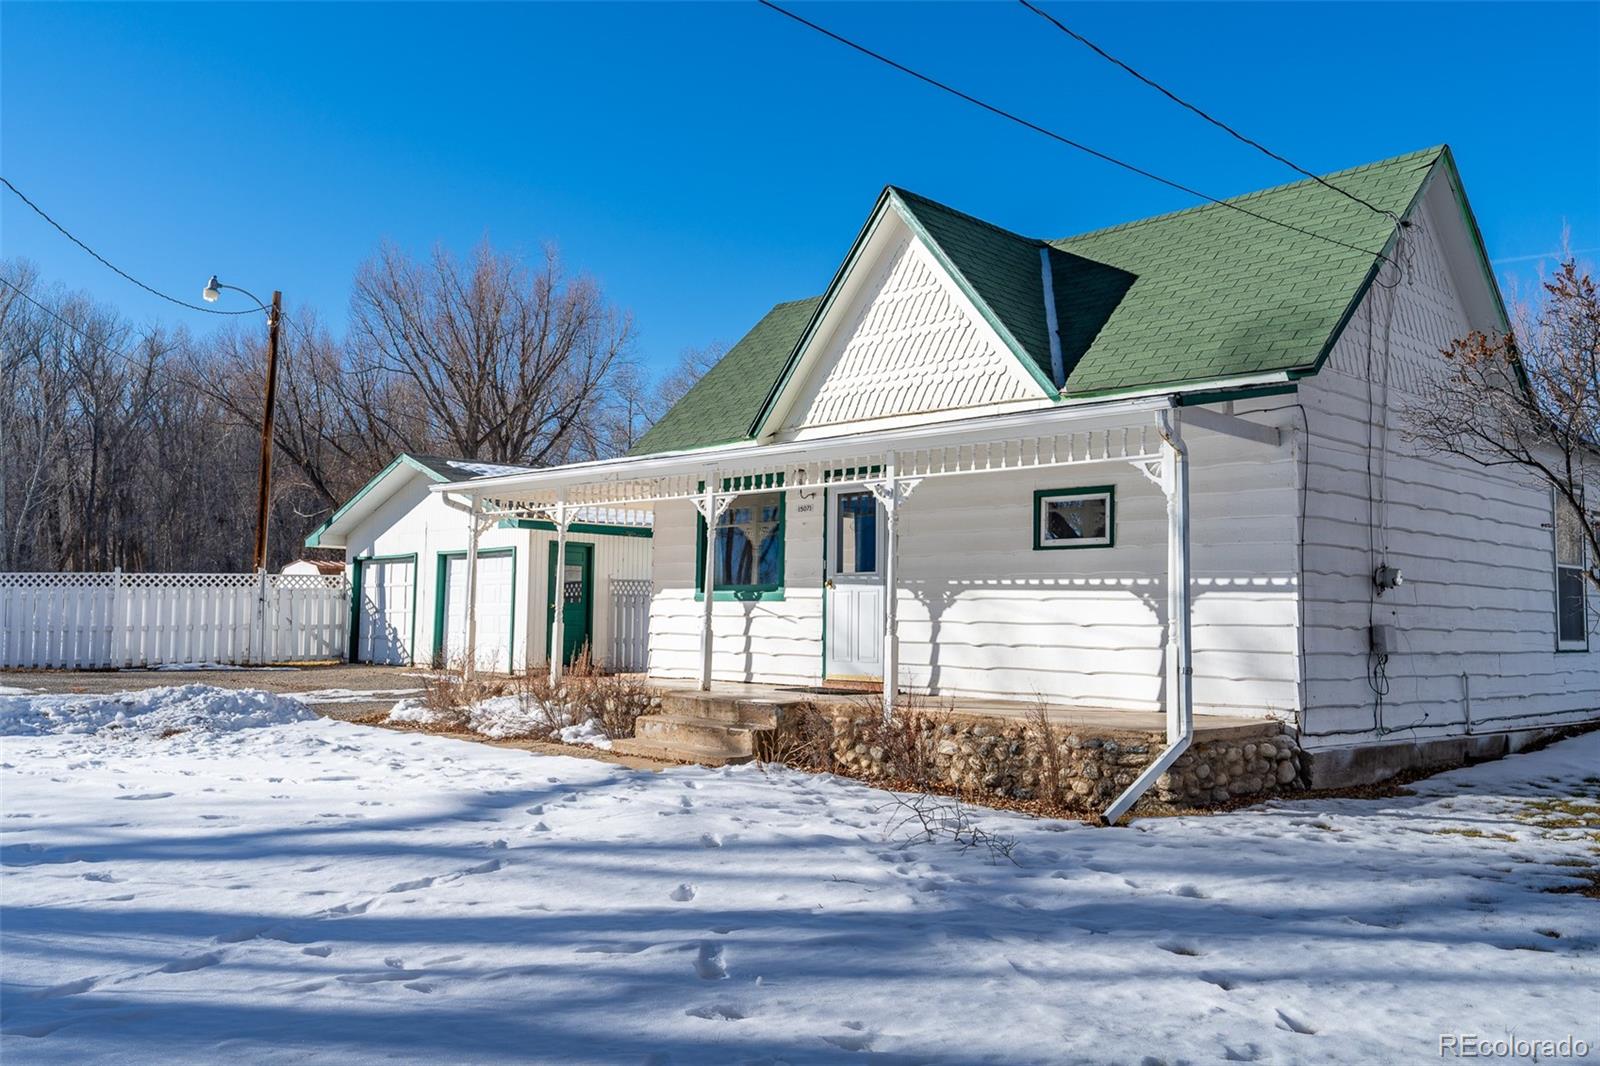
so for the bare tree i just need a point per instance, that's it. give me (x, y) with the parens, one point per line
(1529, 400)
(692, 366)
(504, 362)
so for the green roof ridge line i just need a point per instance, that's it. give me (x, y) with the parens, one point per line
(1305, 183)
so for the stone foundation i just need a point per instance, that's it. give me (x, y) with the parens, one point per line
(1004, 758)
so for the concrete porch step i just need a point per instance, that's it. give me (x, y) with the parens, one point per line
(733, 710)
(668, 752)
(700, 734)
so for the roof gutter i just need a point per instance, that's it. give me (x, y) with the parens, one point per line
(1033, 422)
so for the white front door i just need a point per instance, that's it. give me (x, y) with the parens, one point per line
(494, 611)
(853, 591)
(384, 626)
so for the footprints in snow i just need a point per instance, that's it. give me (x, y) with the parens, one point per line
(709, 964)
(191, 963)
(721, 1012)
(488, 867)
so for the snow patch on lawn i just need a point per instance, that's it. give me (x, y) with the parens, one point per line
(151, 711)
(323, 892)
(502, 718)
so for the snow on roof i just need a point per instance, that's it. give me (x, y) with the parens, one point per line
(486, 469)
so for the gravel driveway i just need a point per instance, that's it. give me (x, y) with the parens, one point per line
(344, 690)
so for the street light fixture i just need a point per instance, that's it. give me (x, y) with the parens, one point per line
(212, 293)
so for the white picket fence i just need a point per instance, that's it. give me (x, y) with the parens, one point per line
(90, 621)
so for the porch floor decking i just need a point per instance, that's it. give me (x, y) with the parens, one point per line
(1097, 721)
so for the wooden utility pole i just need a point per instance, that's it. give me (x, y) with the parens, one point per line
(264, 483)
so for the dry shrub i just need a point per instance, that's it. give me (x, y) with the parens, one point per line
(804, 739)
(448, 692)
(908, 737)
(1047, 737)
(926, 818)
(585, 692)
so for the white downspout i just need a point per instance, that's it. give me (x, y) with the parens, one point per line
(1180, 673)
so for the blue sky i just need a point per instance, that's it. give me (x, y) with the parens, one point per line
(705, 161)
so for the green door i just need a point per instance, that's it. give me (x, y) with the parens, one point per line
(577, 599)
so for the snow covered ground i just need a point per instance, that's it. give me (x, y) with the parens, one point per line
(282, 889)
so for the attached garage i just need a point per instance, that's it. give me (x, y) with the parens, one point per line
(406, 552)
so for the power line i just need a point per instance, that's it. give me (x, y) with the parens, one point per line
(1175, 98)
(112, 266)
(64, 321)
(1069, 142)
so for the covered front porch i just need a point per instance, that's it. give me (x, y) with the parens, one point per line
(863, 482)
(1065, 758)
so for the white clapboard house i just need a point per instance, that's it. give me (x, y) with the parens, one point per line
(1154, 467)
(406, 551)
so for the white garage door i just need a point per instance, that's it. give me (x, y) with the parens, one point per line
(494, 610)
(384, 619)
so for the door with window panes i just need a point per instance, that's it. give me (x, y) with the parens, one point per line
(853, 590)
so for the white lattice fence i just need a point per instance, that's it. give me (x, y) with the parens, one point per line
(630, 623)
(85, 621)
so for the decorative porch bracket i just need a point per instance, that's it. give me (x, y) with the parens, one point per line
(710, 504)
(891, 492)
(1151, 469)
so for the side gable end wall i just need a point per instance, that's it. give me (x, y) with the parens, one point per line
(1474, 623)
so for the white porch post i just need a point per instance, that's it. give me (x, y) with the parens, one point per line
(891, 643)
(711, 512)
(558, 587)
(470, 667)
(891, 491)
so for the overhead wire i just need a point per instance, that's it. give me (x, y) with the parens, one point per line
(1180, 101)
(112, 266)
(1061, 138)
(74, 327)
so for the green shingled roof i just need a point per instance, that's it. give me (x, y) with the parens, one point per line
(722, 404)
(1178, 300)
(1220, 294)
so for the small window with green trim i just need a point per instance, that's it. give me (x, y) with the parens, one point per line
(748, 551)
(1074, 518)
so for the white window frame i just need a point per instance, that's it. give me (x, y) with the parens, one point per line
(1557, 504)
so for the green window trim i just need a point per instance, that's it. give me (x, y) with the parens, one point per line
(356, 566)
(1108, 491)
(749, 484)
(594, 529)
(441, 576)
